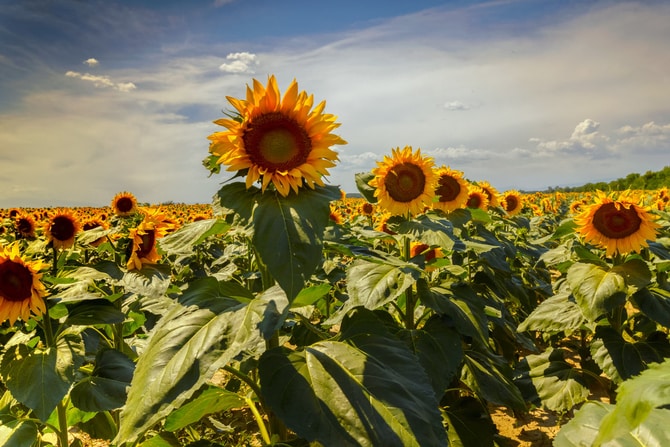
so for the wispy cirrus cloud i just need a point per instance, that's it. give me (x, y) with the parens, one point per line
(102, 81)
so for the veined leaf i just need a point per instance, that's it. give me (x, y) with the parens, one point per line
(41, 378)
(288, 234)
(555, 314)
(183, 241)
(338, 394)
(374, 284)
(491, 380)
(196, 336)
(654, 302)
(620, 359)
(212, 400)
(547, 379)
(583, 429)
(18, 433)
(636, 400)
(595, 289)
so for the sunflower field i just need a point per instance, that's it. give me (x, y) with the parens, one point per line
(286, 313)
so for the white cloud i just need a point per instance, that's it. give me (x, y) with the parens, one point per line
(91, 62)
(239, 63)
(456, 106)
(102, 81)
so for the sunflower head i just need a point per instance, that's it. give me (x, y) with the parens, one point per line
(143, 248)
(451, 190)
(491, 194)
(61, 229)
(512, 202)
(21, 290)
(24, 225)
(477, 198)
(405, 182)
(278, 140)
(618, 225)
(124, 204)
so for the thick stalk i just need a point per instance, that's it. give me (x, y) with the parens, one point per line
(410, 299)
(62, 431)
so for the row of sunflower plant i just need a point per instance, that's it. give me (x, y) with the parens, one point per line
(397, 319)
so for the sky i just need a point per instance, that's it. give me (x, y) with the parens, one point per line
(99, 97)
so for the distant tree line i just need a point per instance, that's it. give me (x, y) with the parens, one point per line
(649, 180)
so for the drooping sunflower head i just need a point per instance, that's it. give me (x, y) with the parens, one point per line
(405, 182)
(477, 198)
(618, 225)
(451, 190)
(143, 248)
(61, 229)
(21, 289)
(512, 202)
(491, 194)
(281, 141)
(124, 204)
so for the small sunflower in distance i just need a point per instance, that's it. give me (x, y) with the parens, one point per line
(405, 182)
(491, 194)
(451, 190)
(124, 204)
(511, 202)
(25, 226)
(143, 248)
(21, 291)
(278, 140)
(619, 226)
(62, 228)
(477, 198)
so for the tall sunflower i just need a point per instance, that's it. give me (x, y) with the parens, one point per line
(405, 182)
(61, 229)
(618, 226)
(278, 140)
(512, 202)
(21, 291)
(124, 204)
(451, 190)
(143, 248)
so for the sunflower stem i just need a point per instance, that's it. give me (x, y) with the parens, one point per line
(410, 299)
(62, 431)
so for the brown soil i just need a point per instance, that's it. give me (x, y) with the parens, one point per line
(537, 428)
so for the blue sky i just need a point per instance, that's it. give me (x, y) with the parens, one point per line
(98, 97)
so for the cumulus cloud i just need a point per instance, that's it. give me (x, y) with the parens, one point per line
(239, 63)
(91, 62)
(585, 140)
(102, 81)
(456, 106)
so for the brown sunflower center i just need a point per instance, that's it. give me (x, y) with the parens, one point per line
(616, 223)
(124, 204)
(24, 226)
(367, 209)
(511, 203)
(474, 201)
(15, 281)
(276, 142)
(447, 189)
(62, 228)
(405, 182)
(147, 244)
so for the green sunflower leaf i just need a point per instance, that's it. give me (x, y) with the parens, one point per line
(199, 334)
(547, 379)
(183, 241)
(288, 234)
(334, 393)
(596, 290)
(41, 378)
